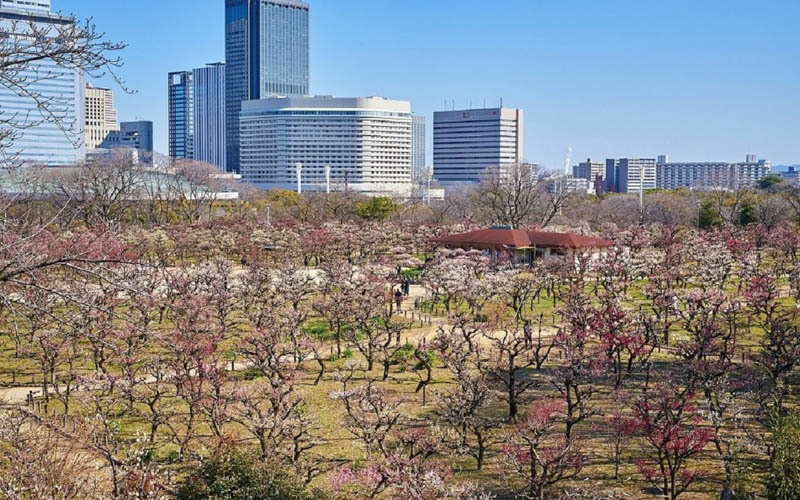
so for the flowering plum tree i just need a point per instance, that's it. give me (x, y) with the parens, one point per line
(670, 426)
(538, 458)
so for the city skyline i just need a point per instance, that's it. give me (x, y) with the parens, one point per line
(696, 81)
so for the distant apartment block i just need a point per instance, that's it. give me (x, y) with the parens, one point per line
(467, 142)
(791, 176)
(418, 167)
(181, 114)
(363, 144)
(570, 184)
(589, 170)
(630, 175)
(101, 116)
(712, 175)
(209, 114)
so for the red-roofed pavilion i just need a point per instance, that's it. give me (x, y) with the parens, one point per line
(524, 246)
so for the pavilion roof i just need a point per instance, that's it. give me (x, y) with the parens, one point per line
(519, 238)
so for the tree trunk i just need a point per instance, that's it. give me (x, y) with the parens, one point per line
(321, 370)
(386, 364)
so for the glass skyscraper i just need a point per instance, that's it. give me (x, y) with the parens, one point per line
(52, 136)
(181, 115)
(418, 169)
(267, 54)
(209, 114)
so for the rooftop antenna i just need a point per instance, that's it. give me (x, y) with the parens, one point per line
(501, 101)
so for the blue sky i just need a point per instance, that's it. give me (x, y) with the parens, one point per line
(697, 79)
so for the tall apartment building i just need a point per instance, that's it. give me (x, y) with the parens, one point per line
(467, 142)
(630, 175)
(266, 54)
(363, 144)
(418, 167)
(181, 114)
(101, 116)
(589, 170)
(711, 175)
(209, 114)
(56, 137)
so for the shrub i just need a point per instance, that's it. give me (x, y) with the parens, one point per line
(404, 354)
(743, 481)
(413, 275)
(347, 354)
(231, 474)
(783, 480)
(318, 330)
(250, 373)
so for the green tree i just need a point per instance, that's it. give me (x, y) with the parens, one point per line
(770, 180)
(783, 480)
(747, 213)
(709, 215)
(232, 474)
(378, 208)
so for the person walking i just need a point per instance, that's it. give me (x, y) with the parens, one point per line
(528, 331)
(406, 287)
(727, 492)
(398, 300)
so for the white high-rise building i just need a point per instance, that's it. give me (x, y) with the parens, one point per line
(209, 114)
(27, 5)
(54, 135)
(101, 116)
(361, 144)
(467, 142)
(712, 175)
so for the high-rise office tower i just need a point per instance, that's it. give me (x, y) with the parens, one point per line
(181, 115)
(101, 116)
(266, 55)
(418, 169)
(53, 135)
(467, 142)
(209, 114)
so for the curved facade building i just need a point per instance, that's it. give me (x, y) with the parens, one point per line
(364, 144)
